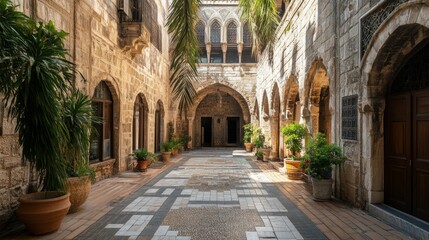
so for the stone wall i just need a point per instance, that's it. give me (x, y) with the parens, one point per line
(96, 47)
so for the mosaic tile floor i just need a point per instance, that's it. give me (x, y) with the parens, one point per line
(215, 194)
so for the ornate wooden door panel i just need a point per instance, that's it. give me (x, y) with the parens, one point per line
(421, 154)
(397, 161)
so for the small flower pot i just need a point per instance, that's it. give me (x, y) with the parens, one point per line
(142, 165)
(322, 189)
(248, 146)
(293, 169)
(166, 156)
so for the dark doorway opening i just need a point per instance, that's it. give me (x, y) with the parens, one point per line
(206, 131)
(233, 123)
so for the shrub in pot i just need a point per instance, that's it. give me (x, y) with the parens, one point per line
(186, 139)
(258, 141)
(294, 134)
(176, 144)
(36, 76)
(78, 118)
(259, 155)
(323, 156)
(247, 138)
(144, 158)
(166, 148)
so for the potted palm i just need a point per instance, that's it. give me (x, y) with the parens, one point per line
(78, 118)
(323, 157)
(33, 60)
(166, 148)
(144, 158)
(248, 134)
(294, 134)
(176, 144)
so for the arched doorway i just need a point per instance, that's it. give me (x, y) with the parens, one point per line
(292, 101)
(218, 121)
(101, 147)
(140, 116)
(265, 121)
(406, 161)
(217, 116)
(317, 102)
(159, 125)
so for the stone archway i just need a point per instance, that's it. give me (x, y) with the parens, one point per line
(277, 148)
(292, 103)
(318, 116)
(391, 46)
(224, 111)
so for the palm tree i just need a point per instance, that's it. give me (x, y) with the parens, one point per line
(39, 78)
(261, 15)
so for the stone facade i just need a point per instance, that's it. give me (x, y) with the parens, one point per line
(101, 54)
(329, 51)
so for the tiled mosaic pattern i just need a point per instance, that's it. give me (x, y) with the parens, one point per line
(209, 195)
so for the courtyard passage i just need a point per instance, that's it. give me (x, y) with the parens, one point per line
(213, 194)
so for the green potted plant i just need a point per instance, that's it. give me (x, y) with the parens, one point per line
(248, 134)
(144, 158)
(259, 155)
(166, 148)
(176, 144)
(33, 59)
(258, 141)
(78, 119)
(323, 157)
(294, 134)
(186, 139)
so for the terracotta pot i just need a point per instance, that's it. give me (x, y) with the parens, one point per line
(166, 156)
(266, 152)
(322, 189)
(248, 146)
(142, 165)
(175, 152)
(293, 170)
(79, 188)
(43, 212)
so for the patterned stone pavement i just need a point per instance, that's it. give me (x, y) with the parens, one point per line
(216, 194)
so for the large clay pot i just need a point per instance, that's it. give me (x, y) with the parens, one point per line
(175, 152)
(248, 146)
(266, 152)
(322, 189)
(79, 188)
(142, 165)
(293, 170)
(166, 156)
(43, 212)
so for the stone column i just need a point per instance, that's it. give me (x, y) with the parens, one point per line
(314, 118)
(191, 131)
(208, 49)
(274, 137)
(240, 51)
(224, 48)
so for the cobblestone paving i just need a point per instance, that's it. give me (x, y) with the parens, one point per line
(215, 194)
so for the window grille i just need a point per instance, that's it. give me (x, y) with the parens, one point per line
(200, 29)
(215, 33)
(231, 55)
(370, 23)
(247, 37)
(231, 33)
(349, 117)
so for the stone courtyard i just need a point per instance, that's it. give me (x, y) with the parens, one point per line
(216, 194)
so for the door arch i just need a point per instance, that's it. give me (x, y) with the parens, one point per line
(406, 161)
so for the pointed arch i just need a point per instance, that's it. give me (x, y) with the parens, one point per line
(292, 103)
(140, 123)
(159, 125)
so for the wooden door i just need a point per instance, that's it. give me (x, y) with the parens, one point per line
(397, 160)
(421, 154)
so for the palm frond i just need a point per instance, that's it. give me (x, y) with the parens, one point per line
(263, 19)
(181, 25)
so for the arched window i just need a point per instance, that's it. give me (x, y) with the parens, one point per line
(159, 125)
(200, 29)
(247, 37)
(102, 141)
(215, 33)
(140, 123)
(231, 33)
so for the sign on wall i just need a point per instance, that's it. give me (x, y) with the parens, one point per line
(349, 116)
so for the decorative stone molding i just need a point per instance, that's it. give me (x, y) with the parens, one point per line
(135, 37)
